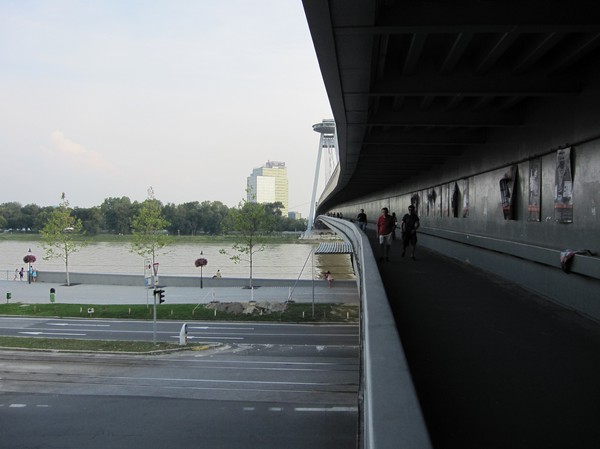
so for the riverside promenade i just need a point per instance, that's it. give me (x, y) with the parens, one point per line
(228, 290)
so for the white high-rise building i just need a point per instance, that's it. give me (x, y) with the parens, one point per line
(269, 184)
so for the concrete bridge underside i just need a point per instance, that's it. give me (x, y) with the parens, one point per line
(448, 105)
(486, 116)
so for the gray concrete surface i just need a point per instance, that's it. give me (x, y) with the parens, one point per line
(495, 366)
(39, 292)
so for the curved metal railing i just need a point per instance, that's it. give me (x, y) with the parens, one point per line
(390, 412)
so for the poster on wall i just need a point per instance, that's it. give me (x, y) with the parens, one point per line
(431, 196)
(441, 208)
(465, 205)
(446, 202)
(535, 188)
(563, 187)
(455, 200)
(416, 201)
(507, 187)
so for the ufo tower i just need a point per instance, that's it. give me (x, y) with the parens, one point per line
(327, 143)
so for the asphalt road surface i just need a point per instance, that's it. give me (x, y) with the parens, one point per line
(169, 331)
(240, 395)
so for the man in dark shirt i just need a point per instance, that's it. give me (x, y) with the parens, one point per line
(410, 224)
(362, 220)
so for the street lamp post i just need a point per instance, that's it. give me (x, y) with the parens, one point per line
(201, 262)
(29, 259)
(155, 266)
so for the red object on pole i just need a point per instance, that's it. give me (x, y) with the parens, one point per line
(201, 262)
(29, 258)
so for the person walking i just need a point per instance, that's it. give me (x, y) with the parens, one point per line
(328, 277)
(395, 225)
(385, 229)
(362, 220)
(410, 224)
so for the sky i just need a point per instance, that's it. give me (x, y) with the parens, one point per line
(104, 99)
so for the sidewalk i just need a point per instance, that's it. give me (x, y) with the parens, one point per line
(495, 366)
(39, 292)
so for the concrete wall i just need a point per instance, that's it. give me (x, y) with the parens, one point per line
(546, 128)
(59, 277)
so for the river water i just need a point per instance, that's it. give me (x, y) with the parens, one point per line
(277, 261)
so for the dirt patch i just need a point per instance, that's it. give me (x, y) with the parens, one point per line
(248, 308)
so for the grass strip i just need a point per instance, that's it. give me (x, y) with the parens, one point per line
(293, 313)
(60, 344)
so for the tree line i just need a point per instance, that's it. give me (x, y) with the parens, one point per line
(249, 224)
(116, 215)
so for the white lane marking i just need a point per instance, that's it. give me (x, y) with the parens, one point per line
(213, 381)
(222, 328)
(25, 405)
(112, 331)
(326, 409)
(205, 337)
(78, 324)
(275, 409)
(53, 333)
(281, 362)
(260, 334)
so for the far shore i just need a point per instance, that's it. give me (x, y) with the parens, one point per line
(283, 237)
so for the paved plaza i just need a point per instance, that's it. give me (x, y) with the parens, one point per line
(39, 292)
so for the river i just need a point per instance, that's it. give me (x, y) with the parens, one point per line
(278, 261)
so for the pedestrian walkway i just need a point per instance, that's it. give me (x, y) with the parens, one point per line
(39, 292)
(494, 365)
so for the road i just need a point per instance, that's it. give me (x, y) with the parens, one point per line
(205, 332)
(298, 388)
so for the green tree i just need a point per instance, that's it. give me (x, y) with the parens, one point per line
(184, 218)
(29, 214)
(213, 214)
(91, 219)
(148, 229)
(286, 224)
(42, 218)
(117, 213)
(59, 234)
(248, 223)
(274, 208)
(12, 214)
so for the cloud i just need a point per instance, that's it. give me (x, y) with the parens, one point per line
(162, 95)
(78, 154)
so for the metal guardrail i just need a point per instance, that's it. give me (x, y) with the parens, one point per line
(391, 416)
(334, 248)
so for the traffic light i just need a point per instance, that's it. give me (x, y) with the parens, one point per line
(161, 295)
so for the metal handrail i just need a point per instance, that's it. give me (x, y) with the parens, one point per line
(390, 412)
